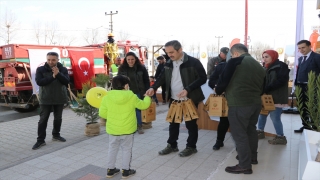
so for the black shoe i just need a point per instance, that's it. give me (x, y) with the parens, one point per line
(253, 161)
(188, 151)
(168, 150)
(299, 130)
(218, 145)
(112, 172)
(59, 139)
(237, 170)
(38, 145)
(128, 173)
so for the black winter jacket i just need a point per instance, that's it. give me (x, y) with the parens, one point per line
(193, 76)
(52, 91)
(214, 77)
(159, 70)
(139, 78)
(277, 77)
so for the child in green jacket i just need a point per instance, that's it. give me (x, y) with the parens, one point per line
(118, 107)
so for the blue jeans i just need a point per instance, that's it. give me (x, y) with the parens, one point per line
(138, 113)
(276, 120)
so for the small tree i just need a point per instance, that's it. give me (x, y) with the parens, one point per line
(90, 113)
(313, 105)
(101, 80)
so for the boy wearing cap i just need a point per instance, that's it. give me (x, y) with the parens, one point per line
(213, 62)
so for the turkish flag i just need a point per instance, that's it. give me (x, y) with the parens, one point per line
(82, 66)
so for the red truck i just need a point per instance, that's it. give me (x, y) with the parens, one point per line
(17, 69)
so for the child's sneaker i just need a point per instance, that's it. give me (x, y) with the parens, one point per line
(112, 172)
(128, 173)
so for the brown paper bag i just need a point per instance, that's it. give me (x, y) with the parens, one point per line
(216, 106)
(207, 104)
(185, 112)
(267, 103)
(149, 115)
(225, 107)
(264, 112)
(191, 108)
(178, 115)
(171, 112)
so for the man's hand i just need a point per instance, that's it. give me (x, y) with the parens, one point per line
(55, 71)
(182, 94)
(150, 92)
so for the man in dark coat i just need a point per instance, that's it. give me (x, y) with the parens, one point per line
(184, 76)
(213, 62)
(160, 67)
(52, 79)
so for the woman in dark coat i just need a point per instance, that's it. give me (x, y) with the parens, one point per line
(139, 79)
(277, 77)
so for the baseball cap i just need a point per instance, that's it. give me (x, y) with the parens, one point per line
(225, 50)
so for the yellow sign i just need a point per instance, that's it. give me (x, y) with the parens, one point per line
(280, 50)
(203, 55)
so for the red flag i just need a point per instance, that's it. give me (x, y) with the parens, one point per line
(82, 67)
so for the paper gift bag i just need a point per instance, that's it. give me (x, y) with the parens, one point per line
(185, 112)
(171, 112)
(178, 115)
(267, 103)
(149, 115)
(225, 107)
(264, 112)
(191, 108)
(206, 105)
(216, 106)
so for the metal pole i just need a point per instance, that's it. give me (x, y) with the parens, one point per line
(219, 42)
(8, 32)
(111, 26)
(246, 24)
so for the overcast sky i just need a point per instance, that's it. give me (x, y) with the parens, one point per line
(189, 21)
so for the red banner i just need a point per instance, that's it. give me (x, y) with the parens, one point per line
(82, 66)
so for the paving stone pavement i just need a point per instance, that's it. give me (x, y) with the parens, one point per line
(84, 157)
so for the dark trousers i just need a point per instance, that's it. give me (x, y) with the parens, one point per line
(45, 111)
(192, 127)
(223, 127)
(163, 93)
(243, 122)
(304, 99)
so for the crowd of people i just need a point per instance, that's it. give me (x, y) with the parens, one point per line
(241, 79)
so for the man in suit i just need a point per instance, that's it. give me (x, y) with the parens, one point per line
(309, 61)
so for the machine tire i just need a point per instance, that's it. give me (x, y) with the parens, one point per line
(22, 110)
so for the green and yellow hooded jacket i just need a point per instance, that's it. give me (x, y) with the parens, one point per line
(118, 107)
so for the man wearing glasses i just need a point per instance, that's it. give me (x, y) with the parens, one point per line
(52, 79)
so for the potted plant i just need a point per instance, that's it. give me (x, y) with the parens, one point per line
(90, 113)
(102, 80)
(310, 138)
(313, 105)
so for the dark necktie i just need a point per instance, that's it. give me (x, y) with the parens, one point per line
(304, 59)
